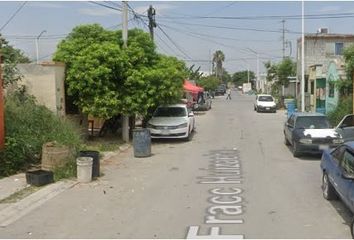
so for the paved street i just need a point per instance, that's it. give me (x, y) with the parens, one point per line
(235, 178)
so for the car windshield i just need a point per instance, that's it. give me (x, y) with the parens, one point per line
(170, 112)
(312, 122)
(265, 99)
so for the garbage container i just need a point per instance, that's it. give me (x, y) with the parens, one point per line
(142, 142)
(291, 108)
(84, 169)
(96, 161)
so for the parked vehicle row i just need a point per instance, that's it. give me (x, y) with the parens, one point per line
(178, 120)
(312, 133)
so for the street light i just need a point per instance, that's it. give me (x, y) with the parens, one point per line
(37, 47)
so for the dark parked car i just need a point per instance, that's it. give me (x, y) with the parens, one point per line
(204, 102)
(310, 133)
(220, 90)
(338, 175)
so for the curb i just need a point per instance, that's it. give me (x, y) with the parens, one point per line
(14, 211)
(19, 209)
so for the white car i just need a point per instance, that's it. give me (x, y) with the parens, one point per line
(172, 121)
(265, 103)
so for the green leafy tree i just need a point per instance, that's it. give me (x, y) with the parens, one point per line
(218, 59)
(209, 83)
(238, 78)
(225, 77)
(11, 57)
(347, 85)
(285, 69)
(107, 79)
(194, 74)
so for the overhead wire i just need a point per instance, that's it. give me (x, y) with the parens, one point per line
(269, 17)
(167, 36)
(13, 15)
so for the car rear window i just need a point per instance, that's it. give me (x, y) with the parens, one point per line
(265, 98)
(312, 122)
(170, 112)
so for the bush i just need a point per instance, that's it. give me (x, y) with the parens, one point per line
(28, 126)
(344, 107)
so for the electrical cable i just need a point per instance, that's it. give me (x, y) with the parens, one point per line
(271, 17)
(232, 28)
(171, 40)
(13, 15)
(106, 6)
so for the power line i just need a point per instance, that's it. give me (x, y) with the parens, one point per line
(271, 17)
(220, 9)
(168, 37)
(13, 15)
(106, 6)
(232, 28)
(171, 40)
(226, 38)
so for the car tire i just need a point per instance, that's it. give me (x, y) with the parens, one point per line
(286, 142)
(328, 190)
(296, 152)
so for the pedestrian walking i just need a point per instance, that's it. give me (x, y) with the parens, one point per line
(228, 91)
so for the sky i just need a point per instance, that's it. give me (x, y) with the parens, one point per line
(190, 30)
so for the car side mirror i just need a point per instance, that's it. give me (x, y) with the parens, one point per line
(191, 114)
(347, 176)
(289, 125)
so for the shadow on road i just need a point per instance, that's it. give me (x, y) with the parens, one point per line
(343, 211)
(307, 156)
(161, 141)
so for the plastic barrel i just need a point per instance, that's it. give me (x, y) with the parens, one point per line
(142, 142)
(96, 161)
(84, 169)
(291, 108)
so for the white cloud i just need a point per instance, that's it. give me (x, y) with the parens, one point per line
(98, 11)
(328, 9)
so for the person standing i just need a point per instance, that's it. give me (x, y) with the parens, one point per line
(228, 92)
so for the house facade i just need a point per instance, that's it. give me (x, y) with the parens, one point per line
(323, 55)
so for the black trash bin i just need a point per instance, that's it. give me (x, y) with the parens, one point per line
(142, 142)
(96, 161)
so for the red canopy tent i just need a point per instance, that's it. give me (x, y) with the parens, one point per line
(189, 87)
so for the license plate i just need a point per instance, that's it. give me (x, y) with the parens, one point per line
(323, 147)
(267, 108)
(165, 132)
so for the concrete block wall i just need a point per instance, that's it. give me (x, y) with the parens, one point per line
(46, 82)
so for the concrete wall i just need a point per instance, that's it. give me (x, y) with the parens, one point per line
(46, 82)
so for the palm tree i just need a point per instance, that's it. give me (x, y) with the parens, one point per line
(218, 59)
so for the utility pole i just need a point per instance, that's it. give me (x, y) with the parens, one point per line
(302, 58)
(125, 122)
(283, 21)
(2, 117)
(152, 22)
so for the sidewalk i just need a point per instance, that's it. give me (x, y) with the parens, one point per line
(10, 212)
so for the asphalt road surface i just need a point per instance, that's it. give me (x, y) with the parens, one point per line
(235, 179)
